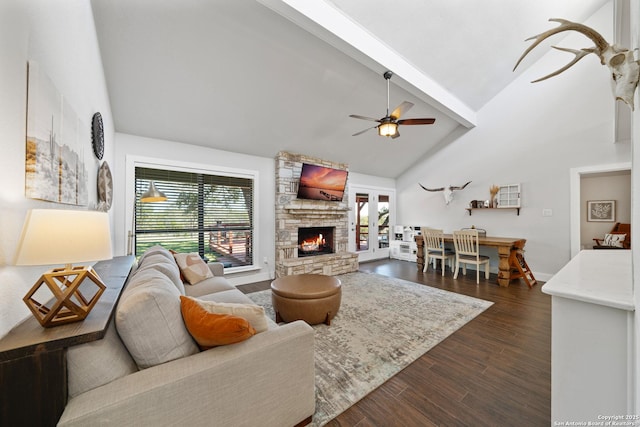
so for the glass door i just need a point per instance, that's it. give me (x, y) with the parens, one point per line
(362, 222)
(383, 222)
(369, 217)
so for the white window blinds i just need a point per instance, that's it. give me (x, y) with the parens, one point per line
(208, 214)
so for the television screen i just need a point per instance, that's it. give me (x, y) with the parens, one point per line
(321, 183)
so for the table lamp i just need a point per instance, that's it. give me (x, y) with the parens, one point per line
(52, 236)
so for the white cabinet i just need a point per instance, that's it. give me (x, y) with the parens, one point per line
(592, 341)
(509, 196)
(402, 245)
(406, 251)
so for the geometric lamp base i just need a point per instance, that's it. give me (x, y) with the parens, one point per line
(73, 297)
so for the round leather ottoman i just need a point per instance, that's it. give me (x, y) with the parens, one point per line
(314, 298)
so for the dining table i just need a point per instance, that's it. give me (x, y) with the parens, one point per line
(507, 247)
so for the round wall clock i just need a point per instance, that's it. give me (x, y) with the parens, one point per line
(97, 136)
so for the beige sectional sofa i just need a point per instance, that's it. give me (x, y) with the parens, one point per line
(149, 371)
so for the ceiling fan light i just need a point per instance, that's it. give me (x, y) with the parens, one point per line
(387, 129)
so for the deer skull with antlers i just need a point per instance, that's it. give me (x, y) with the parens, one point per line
(625, 69)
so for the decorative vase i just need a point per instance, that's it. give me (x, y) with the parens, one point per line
(493, 200)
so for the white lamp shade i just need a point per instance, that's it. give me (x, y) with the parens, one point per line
(52, 236)
(387, 129)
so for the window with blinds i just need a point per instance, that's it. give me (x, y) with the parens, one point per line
(208, 214)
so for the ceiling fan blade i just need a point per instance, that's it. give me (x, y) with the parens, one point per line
(416, 121)
(363, 131)
(396, 135)
(355, 116)
(401, 109)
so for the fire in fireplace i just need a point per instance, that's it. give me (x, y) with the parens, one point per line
(315, 241)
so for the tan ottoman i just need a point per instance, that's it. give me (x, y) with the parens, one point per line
(314, 298)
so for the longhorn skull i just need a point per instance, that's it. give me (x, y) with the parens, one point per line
(447, 191)
(625, 70)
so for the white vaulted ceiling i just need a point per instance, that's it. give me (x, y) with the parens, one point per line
(258, 77)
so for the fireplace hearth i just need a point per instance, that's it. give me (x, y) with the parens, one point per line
(315, 241)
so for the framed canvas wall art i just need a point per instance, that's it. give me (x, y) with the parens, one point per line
(55, 168)
(601, 210)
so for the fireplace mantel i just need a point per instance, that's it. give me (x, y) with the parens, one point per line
(315, 212)
(295, 206)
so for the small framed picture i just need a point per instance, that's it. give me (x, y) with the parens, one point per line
(601, 210)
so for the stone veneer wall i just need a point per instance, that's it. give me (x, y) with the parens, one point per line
(292, 213)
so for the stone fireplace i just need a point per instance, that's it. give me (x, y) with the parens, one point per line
(299, 248)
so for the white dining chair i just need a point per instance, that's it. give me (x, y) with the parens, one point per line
(434, 249)
(468, 252)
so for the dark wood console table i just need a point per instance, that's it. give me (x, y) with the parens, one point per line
(507, 248)
(33, 364)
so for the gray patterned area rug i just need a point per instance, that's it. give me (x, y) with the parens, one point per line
(382, 326)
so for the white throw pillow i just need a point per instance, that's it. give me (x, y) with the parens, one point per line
(614, 240)
(253, 313)
(192, 267)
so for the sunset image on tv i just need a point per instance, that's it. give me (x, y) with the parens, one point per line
(321, 183)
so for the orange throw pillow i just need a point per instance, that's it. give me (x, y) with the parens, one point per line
(211, 329)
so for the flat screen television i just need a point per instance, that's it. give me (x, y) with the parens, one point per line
(322, 183)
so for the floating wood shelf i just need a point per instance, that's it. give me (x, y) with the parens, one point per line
(493, 209)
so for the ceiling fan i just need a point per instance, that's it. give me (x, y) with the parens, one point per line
(389, 124)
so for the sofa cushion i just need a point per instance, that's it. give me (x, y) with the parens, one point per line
(192, 267)
(97, 363)
(149, 320)
(217, 268)
(253, 313)
(156, 250)
(232, 295)
(168, 267)
(211, 329)
(208, 286)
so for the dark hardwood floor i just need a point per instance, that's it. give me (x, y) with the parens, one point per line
(494, 371)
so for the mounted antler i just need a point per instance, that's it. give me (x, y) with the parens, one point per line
(624, 68)
(448, 191)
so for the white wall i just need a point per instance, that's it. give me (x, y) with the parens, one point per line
(615, 186)
(532, 134)
(362, 180)
(61, 37)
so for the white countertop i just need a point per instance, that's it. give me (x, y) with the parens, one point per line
(600, 276)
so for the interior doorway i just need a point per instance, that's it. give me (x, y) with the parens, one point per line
(584, 178)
